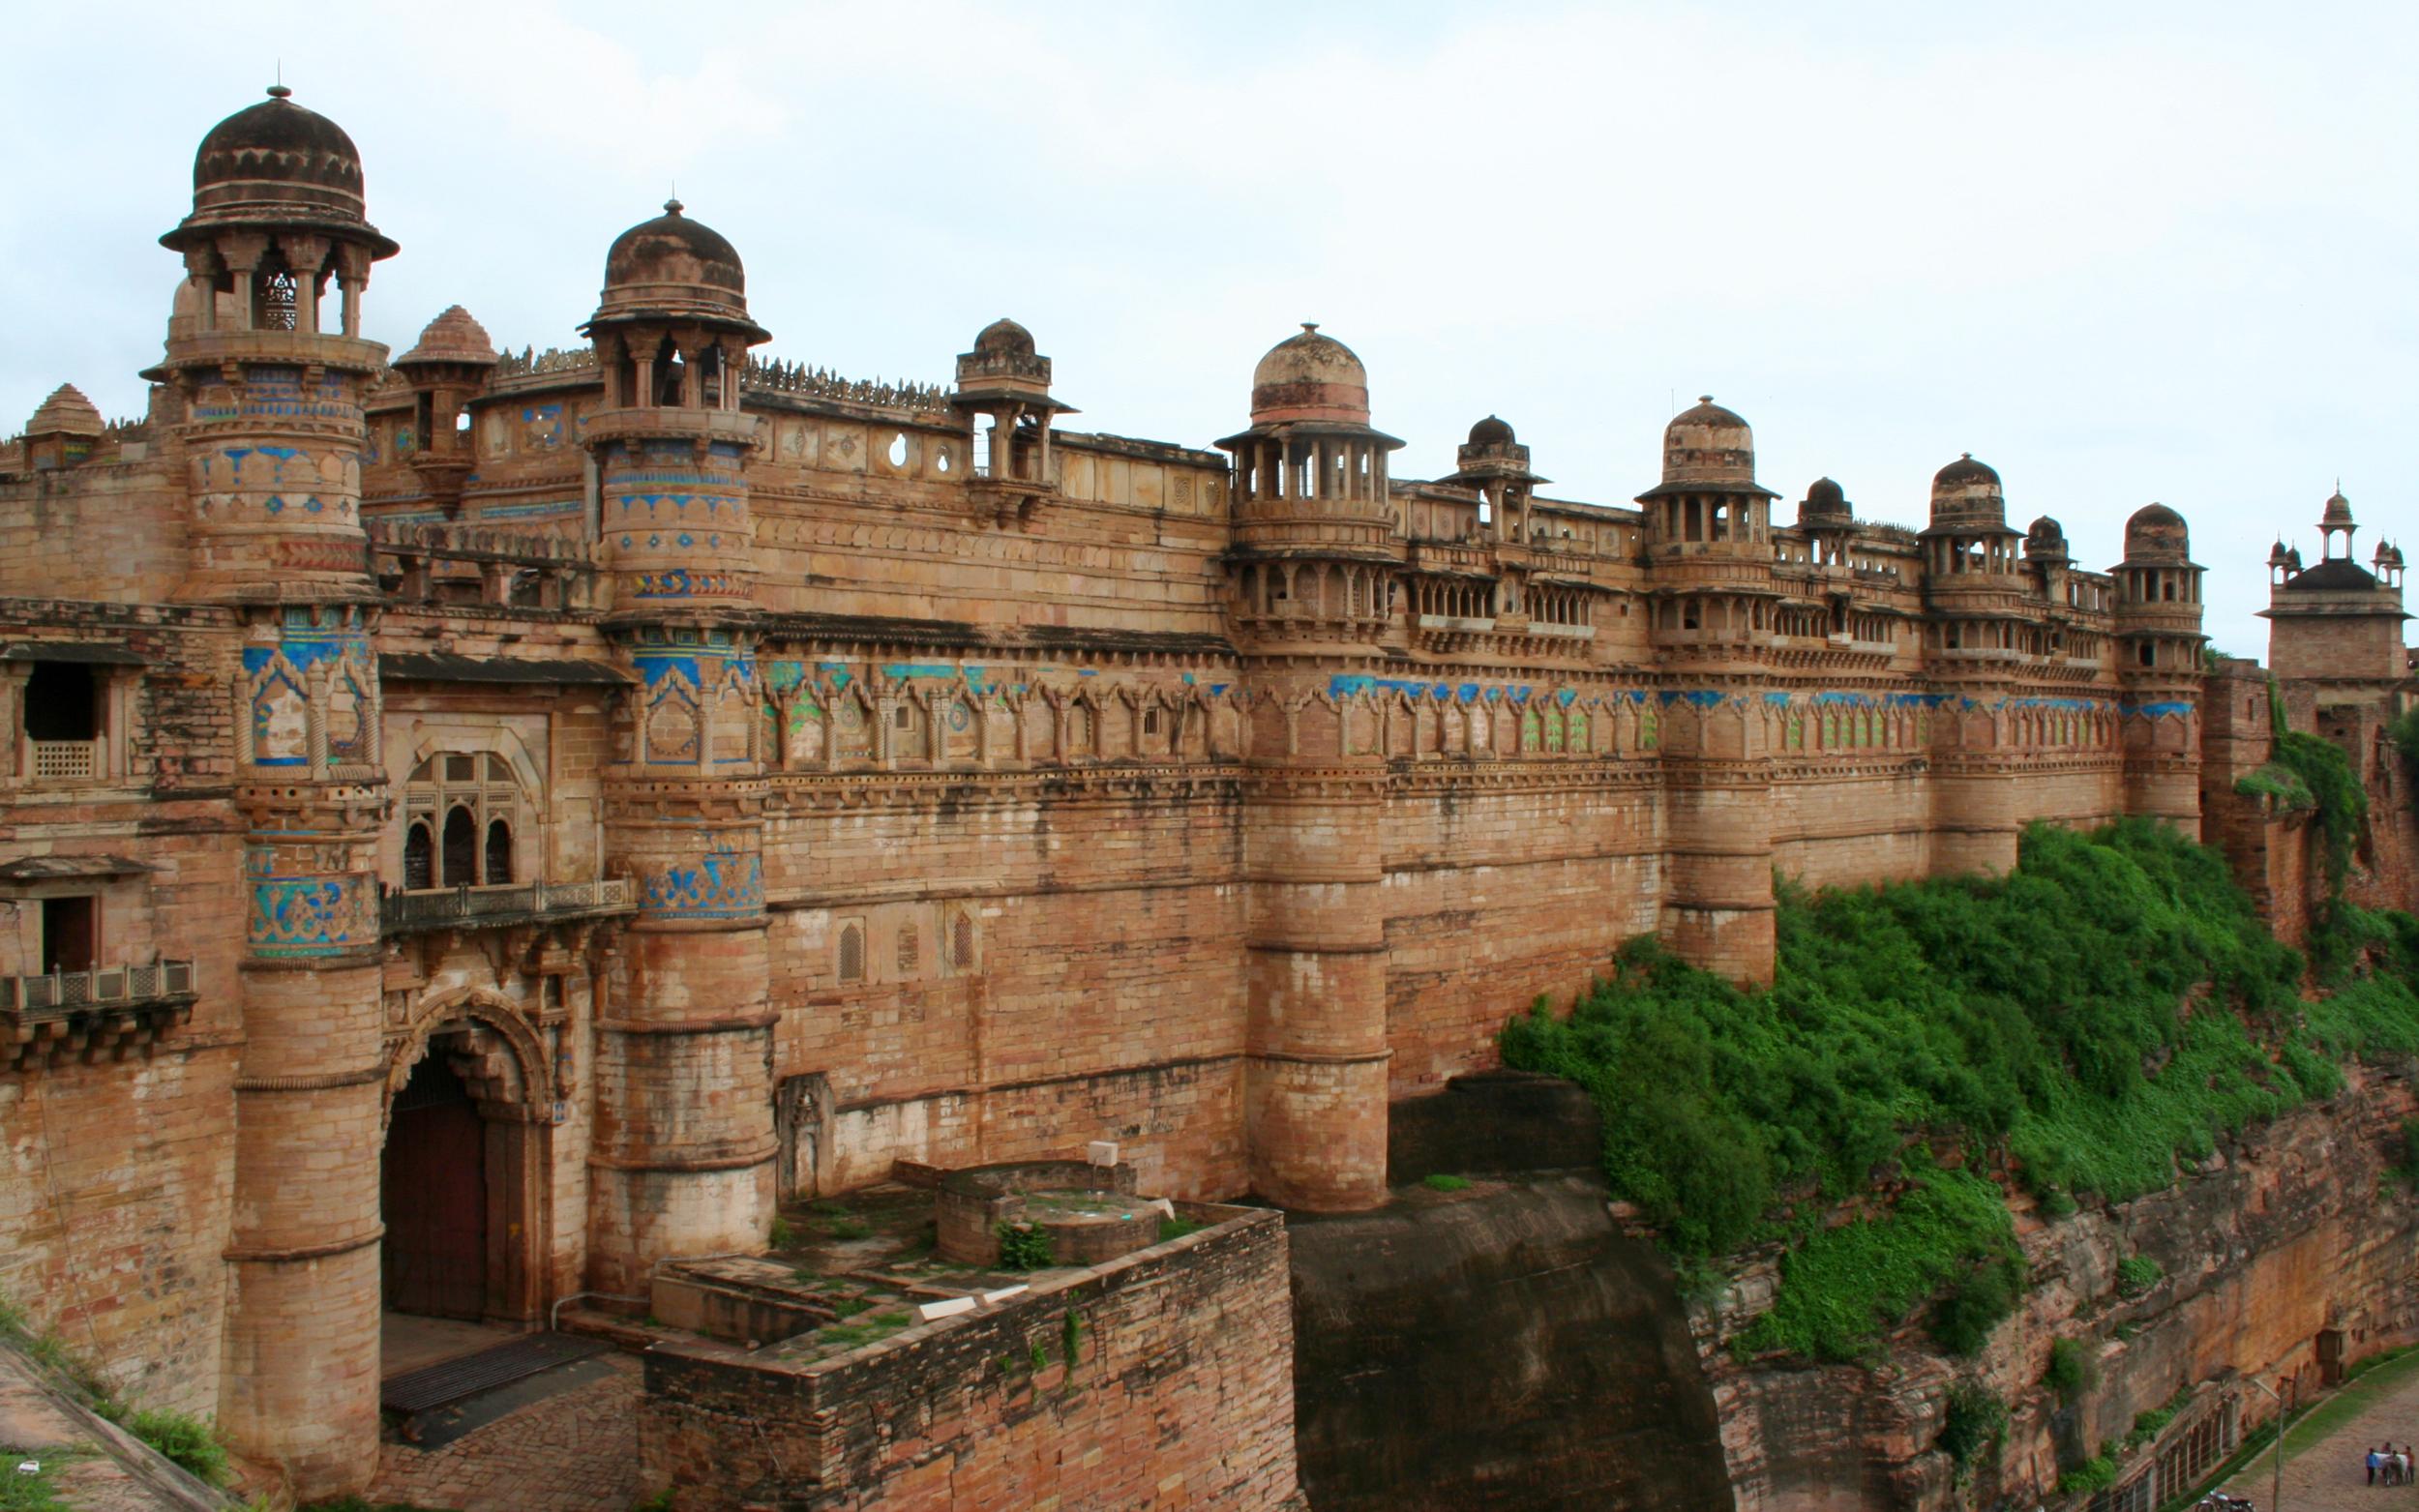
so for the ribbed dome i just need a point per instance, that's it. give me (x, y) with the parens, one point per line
(277, 151)
(1310, 377)
(1490, 431)
(452, 337)
(673, 266)
(2276, 553)
(2338, 512)
(1966, 495)
(2045, 529)
(1005, 338)
(66, 412)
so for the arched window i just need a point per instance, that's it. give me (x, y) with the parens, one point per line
(962, 942)
(462, 850)
(852, 954)
(909, 948)
(419, 858)
(499, 852)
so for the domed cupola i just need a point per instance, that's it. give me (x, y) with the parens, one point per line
(2045, 540)
(1311, 486)
(671, 443)
(673, 268)
(1495, 463)
(1708, 499)
(1312, 378)
(1003, 394)
(267, 360)
(1825, 505)
(2157, 535)
(446, 369)
(1967, 494)
(278, 214)
(278, 165)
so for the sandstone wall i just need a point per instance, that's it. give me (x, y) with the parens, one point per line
(1180, 1396)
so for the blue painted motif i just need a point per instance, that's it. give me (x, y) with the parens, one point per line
(724, 884)
(305, 916)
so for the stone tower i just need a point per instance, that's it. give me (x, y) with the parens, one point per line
(1317, 549)
(2335, 643)
(2159, 666)
(269, 376)
(1708, 534)
(1974, 603)
(684, 1140)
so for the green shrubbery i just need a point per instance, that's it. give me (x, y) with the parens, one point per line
(1025, 1247)
(2111, 1006)
(1975, 1421)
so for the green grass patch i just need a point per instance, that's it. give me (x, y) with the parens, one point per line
(2110, 1008)
(1440, 1182)
(40, 1491)
(848, 1228)
(2137, 1274)
(1178, 1227)
(190, 1444)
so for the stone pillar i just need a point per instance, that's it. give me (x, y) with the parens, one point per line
(1315, 1072)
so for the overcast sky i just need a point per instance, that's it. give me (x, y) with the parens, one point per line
(2165, 254)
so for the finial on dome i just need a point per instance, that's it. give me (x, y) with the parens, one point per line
(1705, 398)
(280, 92)
(674, 206)
(1310, 325)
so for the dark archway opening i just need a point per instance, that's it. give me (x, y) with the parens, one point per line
(462, 850)
(433, 1259)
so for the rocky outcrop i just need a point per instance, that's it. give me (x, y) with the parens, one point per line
(2286, 1256)
(1503, 1346)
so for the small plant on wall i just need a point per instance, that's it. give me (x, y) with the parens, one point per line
(1024, 1247)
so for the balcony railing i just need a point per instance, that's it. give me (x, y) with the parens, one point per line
(102, 987)
(460, 907)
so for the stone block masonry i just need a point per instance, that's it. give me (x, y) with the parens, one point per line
(1179, 1394)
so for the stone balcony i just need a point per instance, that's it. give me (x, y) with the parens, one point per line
(106, 1012)
(500, 908)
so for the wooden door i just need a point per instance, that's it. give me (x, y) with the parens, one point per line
(433, 1258)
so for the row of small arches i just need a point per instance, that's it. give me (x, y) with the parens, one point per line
(906, 947)
(458, 857)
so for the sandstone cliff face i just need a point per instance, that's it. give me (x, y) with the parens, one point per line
(2288, 1247)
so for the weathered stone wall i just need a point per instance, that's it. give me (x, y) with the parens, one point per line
(1180, 1395)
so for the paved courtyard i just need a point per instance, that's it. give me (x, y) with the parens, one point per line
(562, 1442)
(2328, 1474)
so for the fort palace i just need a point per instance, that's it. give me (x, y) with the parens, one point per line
(474, 824)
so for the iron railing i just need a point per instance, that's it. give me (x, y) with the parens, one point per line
(401, 913)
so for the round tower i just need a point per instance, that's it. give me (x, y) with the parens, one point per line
(1316, 553)
(1709, 536)
(2159, 665)
(267, 356)
(1977, 602)
(684, 1135)
(267, 366)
